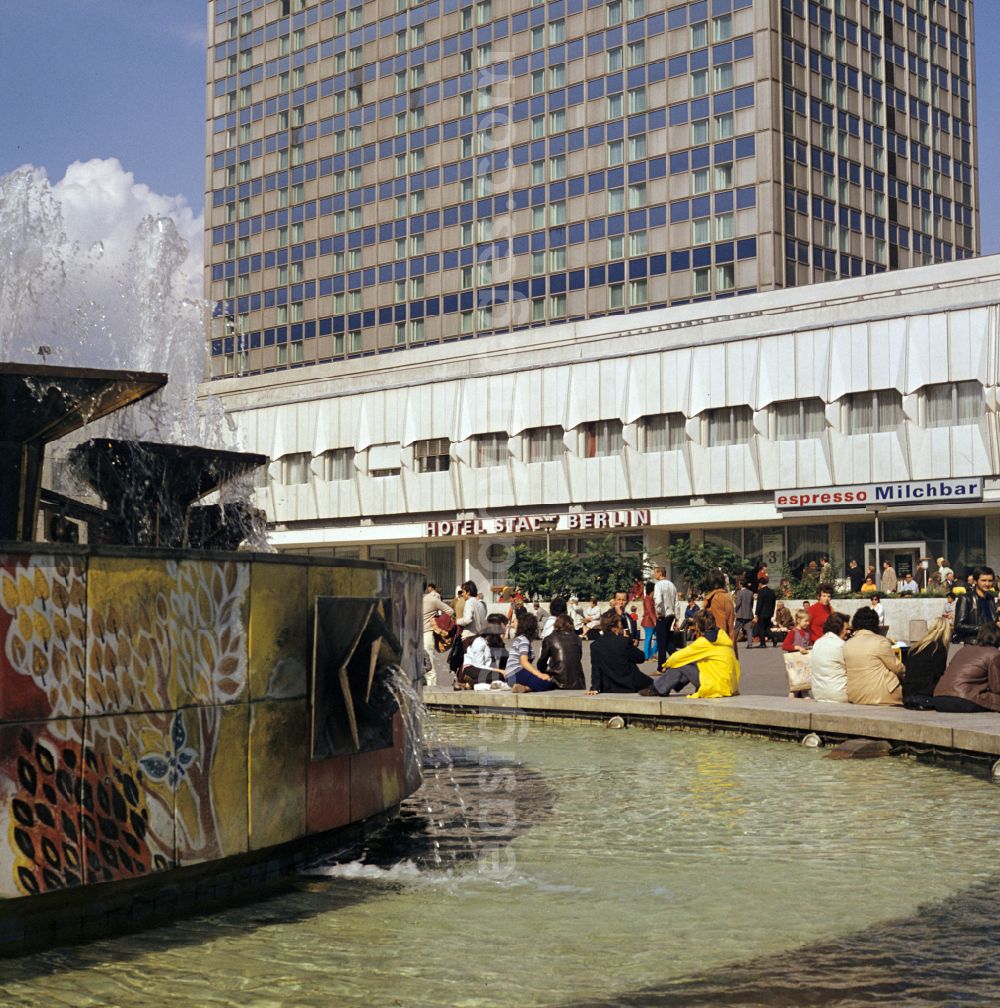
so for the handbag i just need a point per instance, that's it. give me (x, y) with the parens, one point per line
(444, 622)
(798, 669)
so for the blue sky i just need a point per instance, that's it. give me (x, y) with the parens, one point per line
(83, 79)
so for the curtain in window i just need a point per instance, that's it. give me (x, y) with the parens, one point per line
(813, 418)
(938, 402)
(890, 410)
(491, 450)
(786, 421)
(970, 401)
(604, 438)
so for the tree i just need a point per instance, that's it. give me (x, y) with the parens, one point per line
(600, 570)
(694, 561)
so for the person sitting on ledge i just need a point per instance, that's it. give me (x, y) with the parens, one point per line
(873, 671)
(925, 664)
(522, 676)
(615, 660)
(708, 663)
(485, 658)
(829, 674)
(971, 682)
(561, 655)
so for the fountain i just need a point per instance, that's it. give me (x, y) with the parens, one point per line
(181, 720)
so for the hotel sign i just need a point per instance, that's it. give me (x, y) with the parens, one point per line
(862, 495)
(605, 521)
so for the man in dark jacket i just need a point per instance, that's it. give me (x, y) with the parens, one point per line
(561, 655)
(627, 620)
(615, 660)
(765, 612)
(975, 607)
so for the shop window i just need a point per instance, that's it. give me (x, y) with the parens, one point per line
(661, 432)
(431, 455)
(875, 412)
(602, 438)
(338, 464)
(729, 425)
(489, 449)
(953, 403)
(798, 418)
(543, 444)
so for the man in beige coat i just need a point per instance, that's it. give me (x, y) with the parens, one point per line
(872, 668)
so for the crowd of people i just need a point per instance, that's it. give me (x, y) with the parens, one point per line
(694, 642)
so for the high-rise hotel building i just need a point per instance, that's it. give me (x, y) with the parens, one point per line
(384, 174)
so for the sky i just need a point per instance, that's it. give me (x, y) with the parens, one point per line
(123, 82)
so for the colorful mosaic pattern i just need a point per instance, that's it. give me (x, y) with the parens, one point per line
(153, 713)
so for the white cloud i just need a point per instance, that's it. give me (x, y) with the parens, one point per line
(102, 202)
(106, 272)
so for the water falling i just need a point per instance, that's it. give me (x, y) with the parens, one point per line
(67, 298)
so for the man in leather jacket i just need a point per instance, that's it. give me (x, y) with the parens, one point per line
(975, 607)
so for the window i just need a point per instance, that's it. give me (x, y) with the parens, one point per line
(699, 83)
(537, 172)
(730, 425)
(537, 81)
(616, 106)
(557, 168)
(725, 277)
(557, 305)
(637, 195)
(557, 75)
(724, 126)
(701, 180)
(489, 449)
(338, 464)
(616, 296)
(636, 53)
(616, 247)
(431, 455)
(724, 226)
(799, 418)
(538, 310)
(724, 77)
(699, 131)
(722, 28)
(616, 200)
(699, 35)
(537, 263)
(557, 212)
(637, 292)
(295, 468)
(602, 438)
(637, 147)
(724, 176)
(662, 432)
(557, 32)
(637, 100)
(954, 403)
(614, 59)
(537, 127)
(537, 37)
(614, 12)
(877, 412)
(637, 243)
(543, 444)
(702, 281)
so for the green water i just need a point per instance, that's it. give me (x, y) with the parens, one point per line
(606, 862)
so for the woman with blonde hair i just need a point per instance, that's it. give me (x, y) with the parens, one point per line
(925, 664)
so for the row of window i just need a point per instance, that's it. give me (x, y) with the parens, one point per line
(869, 412)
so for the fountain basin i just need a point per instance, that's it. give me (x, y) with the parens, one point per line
(157, 713)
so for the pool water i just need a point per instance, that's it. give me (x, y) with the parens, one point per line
(594, 866)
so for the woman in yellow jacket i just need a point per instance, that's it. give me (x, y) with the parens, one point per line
(708, 662)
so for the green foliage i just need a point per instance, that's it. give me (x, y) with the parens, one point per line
(600, 570)
(693, 561)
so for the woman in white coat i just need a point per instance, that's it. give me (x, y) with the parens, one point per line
(829, 675)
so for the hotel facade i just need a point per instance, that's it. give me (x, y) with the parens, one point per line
(391, 174)
(474, 267)
(779, 424)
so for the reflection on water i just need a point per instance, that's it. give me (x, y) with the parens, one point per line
(593, 867)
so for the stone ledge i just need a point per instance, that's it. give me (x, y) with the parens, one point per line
(969, 733)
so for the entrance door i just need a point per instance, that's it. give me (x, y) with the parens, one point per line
(904, 557)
